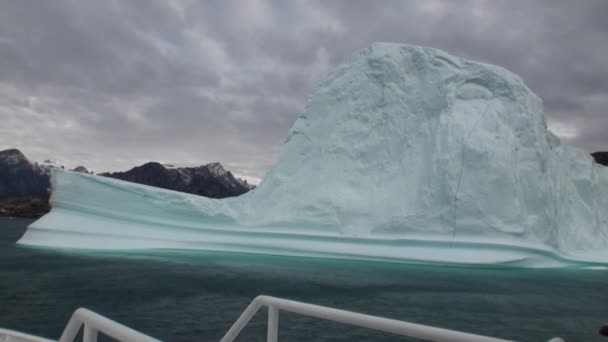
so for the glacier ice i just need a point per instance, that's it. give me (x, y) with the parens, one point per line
(402, 154)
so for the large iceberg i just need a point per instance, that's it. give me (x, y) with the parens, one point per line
(402, 154)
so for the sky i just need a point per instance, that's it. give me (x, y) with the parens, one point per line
(113, 84)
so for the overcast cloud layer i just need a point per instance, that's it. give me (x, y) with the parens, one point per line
(113, 84)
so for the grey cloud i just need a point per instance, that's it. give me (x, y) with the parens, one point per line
(95, 46)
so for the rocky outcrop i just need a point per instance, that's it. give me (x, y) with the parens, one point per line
(81, 169)
(600, 158)
(20, 177)
(25, 206)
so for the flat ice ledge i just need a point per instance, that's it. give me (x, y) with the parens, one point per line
(81, 221)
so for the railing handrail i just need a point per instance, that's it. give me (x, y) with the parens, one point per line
(94, 323)
(347, 317)
(9, 335)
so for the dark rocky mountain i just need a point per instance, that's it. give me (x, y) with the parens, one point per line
(80, 169)
(601, 157)
(19, 177)
(210, 180)
(25, 186)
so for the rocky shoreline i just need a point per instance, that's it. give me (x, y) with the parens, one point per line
(24, 206)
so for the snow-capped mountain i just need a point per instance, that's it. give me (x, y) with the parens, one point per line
(48, 164)
(20, 177)
(211, 180)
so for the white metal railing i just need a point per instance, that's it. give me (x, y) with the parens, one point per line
(347, 317)
(7, 335)
(94, 323)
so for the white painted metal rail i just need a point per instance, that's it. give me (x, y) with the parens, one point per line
(275, 305)
(7, 335)
(94, 323)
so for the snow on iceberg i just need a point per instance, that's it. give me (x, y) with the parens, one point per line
(402, 154)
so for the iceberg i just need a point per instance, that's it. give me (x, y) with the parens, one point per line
(402, 154)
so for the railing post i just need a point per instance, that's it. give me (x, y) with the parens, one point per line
(89, 334)
(71, 330)
(242, 321)
(273, 324)
(275, 305)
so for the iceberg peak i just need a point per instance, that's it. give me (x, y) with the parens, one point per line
(402, 153)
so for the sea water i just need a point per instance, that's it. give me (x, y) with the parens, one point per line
(196, 296)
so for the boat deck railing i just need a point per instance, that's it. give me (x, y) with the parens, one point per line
(92, 324)
(276, 305)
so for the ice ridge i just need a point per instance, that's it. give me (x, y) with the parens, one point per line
(402, 154)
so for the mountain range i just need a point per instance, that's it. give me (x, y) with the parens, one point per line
(25, 186)
(210, 180)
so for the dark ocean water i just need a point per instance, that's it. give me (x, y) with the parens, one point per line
(184, 296)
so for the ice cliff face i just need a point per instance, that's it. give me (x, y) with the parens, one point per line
(402, 139)
(402, 153)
